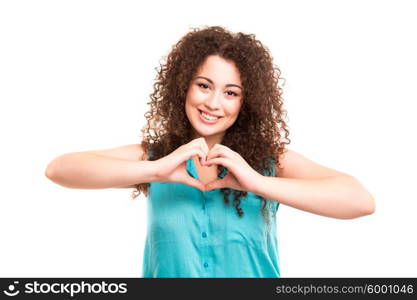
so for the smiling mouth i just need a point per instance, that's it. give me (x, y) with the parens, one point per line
(208, 118)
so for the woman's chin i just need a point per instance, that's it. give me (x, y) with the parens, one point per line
(206, 132)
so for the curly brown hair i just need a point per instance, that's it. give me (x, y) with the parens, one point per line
(258, 133)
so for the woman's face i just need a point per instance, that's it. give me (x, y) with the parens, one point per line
(215, 91)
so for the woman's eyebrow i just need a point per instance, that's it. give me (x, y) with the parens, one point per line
(211, 81)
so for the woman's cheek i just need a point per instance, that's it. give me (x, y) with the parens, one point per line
(233, 109)
(201, 95)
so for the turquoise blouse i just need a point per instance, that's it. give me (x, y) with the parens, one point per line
(191, 233)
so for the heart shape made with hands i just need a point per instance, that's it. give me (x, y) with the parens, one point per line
(214, 184)
(239, 176)
(219, 156)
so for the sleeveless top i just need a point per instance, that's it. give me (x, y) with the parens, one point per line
(191, 233)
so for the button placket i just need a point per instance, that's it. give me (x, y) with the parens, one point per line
(204, 239)
(205, 197)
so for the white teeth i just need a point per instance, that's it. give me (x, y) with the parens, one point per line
(208, 117)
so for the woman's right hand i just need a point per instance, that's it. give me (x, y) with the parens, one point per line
(172, 167)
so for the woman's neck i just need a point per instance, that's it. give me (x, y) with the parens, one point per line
(211, 140)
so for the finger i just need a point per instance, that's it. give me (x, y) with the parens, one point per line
(199, 143)
(217, 184)
(225, 162)
(216, 151)
(197, 151)
(202, 156)
(203, 150)
(203, 144)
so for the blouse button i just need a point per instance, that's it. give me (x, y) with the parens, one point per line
(204, 234)
(205, 265)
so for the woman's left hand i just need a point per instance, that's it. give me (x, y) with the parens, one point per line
(240, 175)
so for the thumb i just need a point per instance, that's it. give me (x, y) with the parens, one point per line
(217, 184)
(195, 183)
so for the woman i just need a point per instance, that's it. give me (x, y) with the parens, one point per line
(213, 163)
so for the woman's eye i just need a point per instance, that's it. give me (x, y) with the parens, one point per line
(230, 93)
(204, 86)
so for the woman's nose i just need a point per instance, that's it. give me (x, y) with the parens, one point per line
(214, 100)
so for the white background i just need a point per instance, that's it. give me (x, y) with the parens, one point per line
(76, 76)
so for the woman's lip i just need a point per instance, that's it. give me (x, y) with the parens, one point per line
(205, 120)
(208, 113)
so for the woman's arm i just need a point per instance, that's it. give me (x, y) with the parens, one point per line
(113, 168)
(306, 185)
